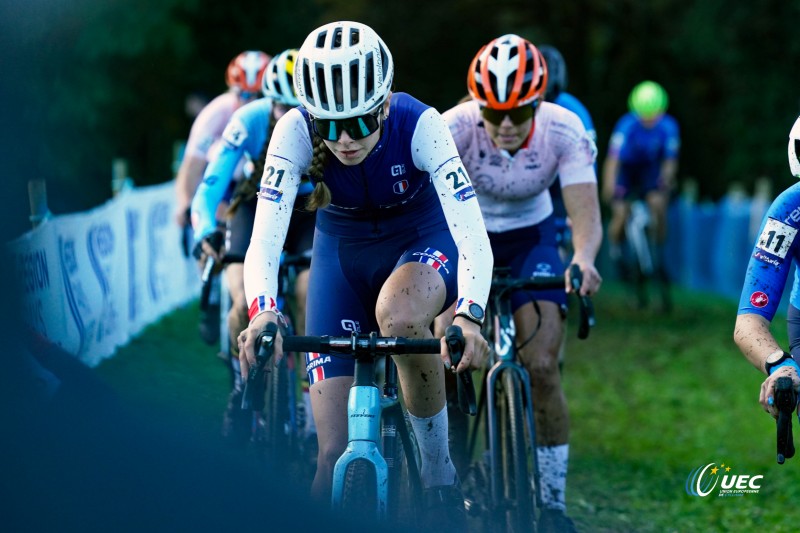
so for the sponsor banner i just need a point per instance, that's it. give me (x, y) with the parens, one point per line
(92, 280)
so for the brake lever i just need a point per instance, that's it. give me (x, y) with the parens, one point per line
(253, 397)
(454, 338)
(587, 319)
(786, 402)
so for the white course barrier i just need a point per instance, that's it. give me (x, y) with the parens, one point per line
(92, 280)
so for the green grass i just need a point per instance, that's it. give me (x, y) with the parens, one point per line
(651, 396)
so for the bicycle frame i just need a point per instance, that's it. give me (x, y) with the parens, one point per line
(365, 405)
(507, 361)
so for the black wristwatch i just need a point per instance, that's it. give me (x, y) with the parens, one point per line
(473, 313)
(775, 358)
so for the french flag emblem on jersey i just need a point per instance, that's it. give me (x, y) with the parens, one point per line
(400, 187)
(434, 258)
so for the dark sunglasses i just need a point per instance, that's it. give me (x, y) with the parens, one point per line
(518, 115)
(356, 127)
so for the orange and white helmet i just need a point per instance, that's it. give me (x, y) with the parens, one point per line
(343, 70)
(508, 72)
(246, 70)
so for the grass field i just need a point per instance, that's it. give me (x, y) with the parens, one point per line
(652, 397)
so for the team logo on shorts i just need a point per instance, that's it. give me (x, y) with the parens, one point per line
(759, 299)
(434, 258)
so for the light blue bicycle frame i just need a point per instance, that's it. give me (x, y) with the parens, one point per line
(364, 406)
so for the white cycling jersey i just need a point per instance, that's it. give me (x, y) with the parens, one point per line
(512, 189)
(385, 174)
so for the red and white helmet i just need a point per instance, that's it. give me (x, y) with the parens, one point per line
(246, 70)
(794, 149)
(508, 72)
(343, 70)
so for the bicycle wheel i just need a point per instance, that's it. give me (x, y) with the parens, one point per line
(402, 460)
(277, 435)
(360, 492)
(517, 490)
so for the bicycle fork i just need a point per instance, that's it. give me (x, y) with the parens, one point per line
(364, 422)
(494, 431)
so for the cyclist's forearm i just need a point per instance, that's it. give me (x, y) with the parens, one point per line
(754, 339)
(583, 209)
(188, 178)
(669, 169)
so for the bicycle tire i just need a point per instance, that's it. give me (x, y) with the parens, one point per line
(277, 434)
(519, 508)
(402, 458)
(360, 491)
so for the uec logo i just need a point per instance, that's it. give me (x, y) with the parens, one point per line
(704, 479)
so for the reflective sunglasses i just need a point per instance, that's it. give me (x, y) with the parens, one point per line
(518, 115)
(356, 127)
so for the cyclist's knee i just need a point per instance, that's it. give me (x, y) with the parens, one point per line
(542, 364)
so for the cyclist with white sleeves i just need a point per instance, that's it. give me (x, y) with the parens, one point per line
(777, 247)
(399, 238)
(247, 135)
(243, 77)
(513, 145)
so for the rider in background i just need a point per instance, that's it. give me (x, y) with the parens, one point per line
(399, 238)
(246, 136)
(514, 144)
(557, 93)
(243, 77)
(642, 163)
(776, 248)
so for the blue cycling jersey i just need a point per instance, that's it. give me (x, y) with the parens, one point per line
(633, 143)
(771, 261)
(375, 195)
(244, 135)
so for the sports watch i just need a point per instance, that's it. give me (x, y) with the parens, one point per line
(776, 358)
(474, 313)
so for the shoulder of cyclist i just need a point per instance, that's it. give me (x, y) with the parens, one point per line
(209, 124)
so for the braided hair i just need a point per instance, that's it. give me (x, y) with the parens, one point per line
(320, 197)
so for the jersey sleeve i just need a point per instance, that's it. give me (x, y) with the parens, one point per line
(288, 158)
(672, 142)
(576, 149)
(207, 127)
(435, 151)
(460, 124)
(771, 259)
(217, 177)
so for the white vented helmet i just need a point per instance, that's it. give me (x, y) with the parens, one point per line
(277, 82)
(794, 149)
(343, 70)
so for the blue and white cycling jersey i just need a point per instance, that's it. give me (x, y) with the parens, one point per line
(413, 181)
(771, 261)
(244, 135)
(633, 143)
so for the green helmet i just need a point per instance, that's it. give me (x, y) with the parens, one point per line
(648, 100)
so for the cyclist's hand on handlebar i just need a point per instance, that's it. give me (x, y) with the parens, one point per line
(591, 277)
(767, 396)
(476, 349)
(247, 342)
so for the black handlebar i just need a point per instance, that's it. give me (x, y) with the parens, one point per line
(786, 402)
(501, 285)
(355, 345)
(215, 240)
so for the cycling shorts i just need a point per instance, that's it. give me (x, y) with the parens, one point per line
(635, 180)
(347, 276)
(530, 251)
(240, 228)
